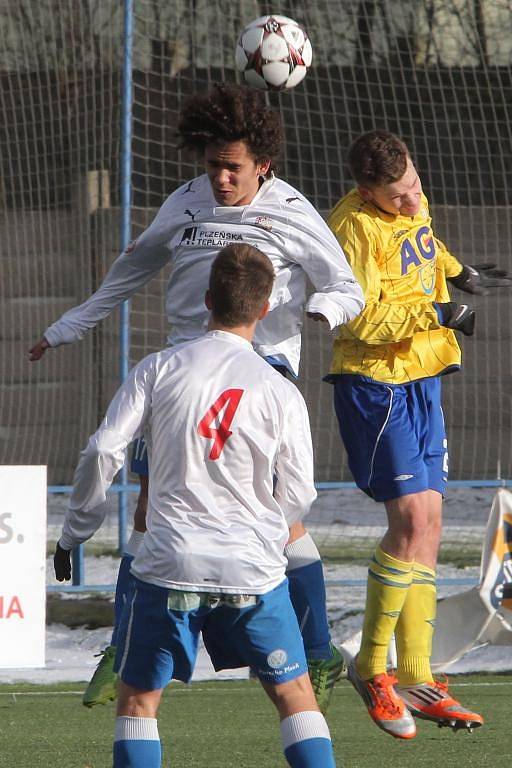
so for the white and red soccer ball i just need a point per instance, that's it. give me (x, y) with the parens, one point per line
(274, 53)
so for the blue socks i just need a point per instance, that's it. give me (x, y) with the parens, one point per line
(305, 737)
(307, 741)
(137, 743)
(307, 592)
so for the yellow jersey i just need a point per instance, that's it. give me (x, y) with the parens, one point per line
(402, 269)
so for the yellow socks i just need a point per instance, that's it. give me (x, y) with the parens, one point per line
(415, 628)
(389, 581)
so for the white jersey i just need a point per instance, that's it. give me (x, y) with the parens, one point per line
(231, 466)
(190, 229)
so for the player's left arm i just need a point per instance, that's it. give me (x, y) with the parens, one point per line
(101, 460)
(338, 297)
(294, 488)
(476, 278)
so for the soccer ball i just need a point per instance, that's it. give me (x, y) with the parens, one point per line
(274, 53)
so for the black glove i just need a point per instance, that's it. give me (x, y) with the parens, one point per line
(479, 278)
(62, 563)
(460, 317)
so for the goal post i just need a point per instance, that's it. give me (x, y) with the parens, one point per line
(437, 73)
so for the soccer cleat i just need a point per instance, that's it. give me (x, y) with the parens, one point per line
(103, 685)
(323, 674)
(431, 701)
(386, 709)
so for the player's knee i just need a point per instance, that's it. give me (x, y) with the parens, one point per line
(293, 696)
(409, 520)
(414, 528)
(133, 702)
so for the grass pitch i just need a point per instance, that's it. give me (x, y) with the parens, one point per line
(232, 725)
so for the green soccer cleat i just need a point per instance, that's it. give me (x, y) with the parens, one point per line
(103, 685)
(323, 674)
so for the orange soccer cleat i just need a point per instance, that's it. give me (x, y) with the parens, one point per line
(386, 709)
(431, 701)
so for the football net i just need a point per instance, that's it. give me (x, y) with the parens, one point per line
(437, 72)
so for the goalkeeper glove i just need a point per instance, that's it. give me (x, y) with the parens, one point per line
(480, 277)
(459, 317)
(62, 563)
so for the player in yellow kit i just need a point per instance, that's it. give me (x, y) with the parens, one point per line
(386, 373)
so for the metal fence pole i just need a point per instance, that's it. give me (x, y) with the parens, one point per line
(78, 566)
(125, 232)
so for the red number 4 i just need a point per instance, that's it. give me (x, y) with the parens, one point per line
(231, 399)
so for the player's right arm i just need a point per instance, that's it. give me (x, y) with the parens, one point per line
(137, 264)
(294, 488)
(379, 322)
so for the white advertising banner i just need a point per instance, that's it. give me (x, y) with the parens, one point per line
(22, 566)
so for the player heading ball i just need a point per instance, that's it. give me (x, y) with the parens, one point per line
(238, 199)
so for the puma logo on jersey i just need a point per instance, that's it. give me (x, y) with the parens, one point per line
(191, 214)
(188, 188)
(403, 477)
(291, 199)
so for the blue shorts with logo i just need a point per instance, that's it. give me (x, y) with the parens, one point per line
(139, 460)
(157, 643)
(394, 435)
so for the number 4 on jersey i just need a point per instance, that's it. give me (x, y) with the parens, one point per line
(229, 400)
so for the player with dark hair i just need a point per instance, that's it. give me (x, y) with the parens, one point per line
(237, 200)
(228, 114)
(221, 499)
(386, 373)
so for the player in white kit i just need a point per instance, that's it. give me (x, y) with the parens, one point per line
(237, 200)
(231, 469)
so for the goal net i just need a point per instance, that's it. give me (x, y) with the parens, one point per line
(437, 72)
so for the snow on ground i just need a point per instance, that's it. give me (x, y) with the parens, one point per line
(70, 657)
(70, 652)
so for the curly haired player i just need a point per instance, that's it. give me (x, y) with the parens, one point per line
(237, 199)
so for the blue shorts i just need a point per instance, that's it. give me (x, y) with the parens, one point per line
(394, 435)
(156, 643)
(139, 460)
